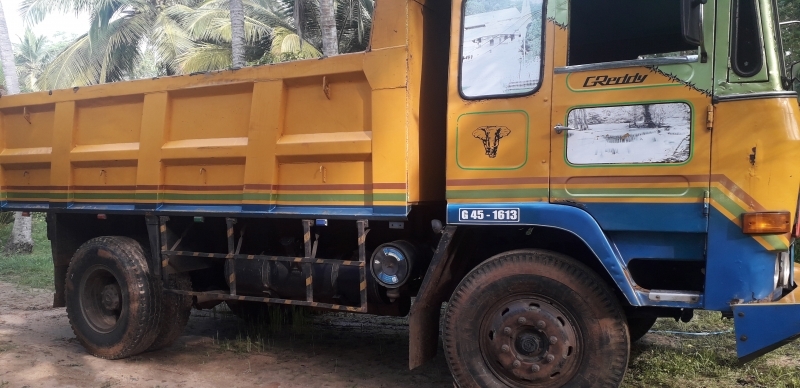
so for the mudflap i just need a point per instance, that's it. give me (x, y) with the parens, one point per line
(764, 327)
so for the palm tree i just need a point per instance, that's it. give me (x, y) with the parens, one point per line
(21, 239)
(275, 31)
(353, 22)
(237, 33)
(7, 56)
(32, 56)
(327, 24)
(120, 31)
(209, 26)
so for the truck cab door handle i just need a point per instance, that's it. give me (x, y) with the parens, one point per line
(560, 128)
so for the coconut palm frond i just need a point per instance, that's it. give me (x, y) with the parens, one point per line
(354, 23)
(74, 66)
(211, 23)
(169, 39)
(119, 42)
(32, 55)
(206, 57)
(34, 11)
(287, 42)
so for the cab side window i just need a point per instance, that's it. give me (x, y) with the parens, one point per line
(619, 30)
(746, 57)
(501, 48)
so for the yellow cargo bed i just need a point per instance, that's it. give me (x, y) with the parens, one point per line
(352, 135)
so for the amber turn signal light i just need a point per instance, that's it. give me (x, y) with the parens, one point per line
(767, 223)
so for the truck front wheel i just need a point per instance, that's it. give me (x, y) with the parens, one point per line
(113, 303)
(535, 319)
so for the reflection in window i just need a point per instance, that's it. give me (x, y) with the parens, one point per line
(648, 133)
(618, 30)
(501, 51)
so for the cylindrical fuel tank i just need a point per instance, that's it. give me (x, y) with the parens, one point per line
(333, 283)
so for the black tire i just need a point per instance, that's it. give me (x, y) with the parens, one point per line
(113, 303)
(534, 318)
(639, 325)
(175, 311)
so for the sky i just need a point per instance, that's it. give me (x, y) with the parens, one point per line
(51, 26)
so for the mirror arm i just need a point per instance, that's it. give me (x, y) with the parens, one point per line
(703, 52)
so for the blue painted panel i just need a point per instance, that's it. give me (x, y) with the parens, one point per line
(761, 328)
(570, 219)
(651, 245)
(738, 268)
(27, 206)
(649, 217)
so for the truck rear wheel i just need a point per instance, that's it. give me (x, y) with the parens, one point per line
(535, 319)
(113, 303)
(175, 311)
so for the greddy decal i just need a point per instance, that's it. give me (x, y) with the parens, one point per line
(606, 80)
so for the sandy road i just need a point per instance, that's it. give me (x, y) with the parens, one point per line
(38, 349)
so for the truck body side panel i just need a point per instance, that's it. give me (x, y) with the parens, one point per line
(332, 137)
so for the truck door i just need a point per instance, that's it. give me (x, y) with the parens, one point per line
(499, 109)
(630, 136)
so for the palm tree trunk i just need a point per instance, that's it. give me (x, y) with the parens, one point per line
(237, 33)
(7, 56)
(327, 23)
(20, 240)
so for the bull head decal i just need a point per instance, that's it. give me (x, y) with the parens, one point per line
(491, 138)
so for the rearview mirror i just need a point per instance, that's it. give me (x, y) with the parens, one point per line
(692, 21)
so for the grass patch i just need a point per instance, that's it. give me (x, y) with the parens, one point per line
(34, 270)
(674, 360)
(261, 330)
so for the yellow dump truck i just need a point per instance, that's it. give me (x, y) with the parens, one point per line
(562, 173)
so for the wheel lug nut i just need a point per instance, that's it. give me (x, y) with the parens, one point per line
(516, 364)
(540, 325)
(550, 358)
(504, 348)
(535, 368)
(521, 320)
(507, 331)
(553, 339)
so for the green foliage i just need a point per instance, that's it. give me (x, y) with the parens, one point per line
(32, 55)
(481, 6)
(32, 270)
(120, 32)
(790, 10)
(663, 359)
(130, 39)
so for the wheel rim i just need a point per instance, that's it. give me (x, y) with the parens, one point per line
(530, 341)
(101, 299)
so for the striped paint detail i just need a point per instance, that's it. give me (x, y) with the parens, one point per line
(272, 194)
(730, 199)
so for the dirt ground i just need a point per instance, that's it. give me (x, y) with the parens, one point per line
(38, 349)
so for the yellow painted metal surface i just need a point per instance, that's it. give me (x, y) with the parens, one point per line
(754, 164)
(262, 137)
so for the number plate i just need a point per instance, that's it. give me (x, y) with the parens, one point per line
(505, 215)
